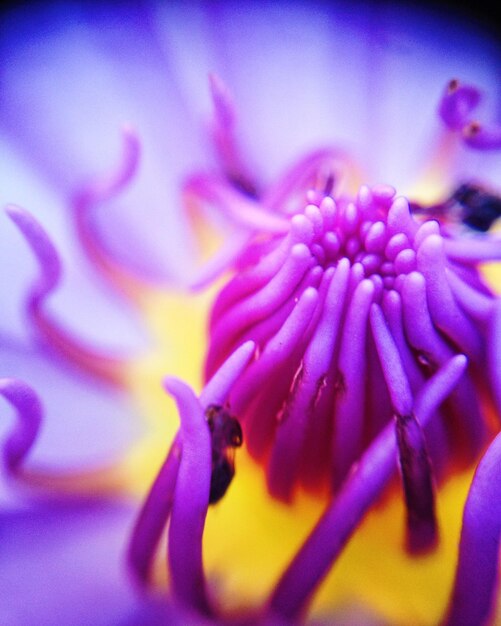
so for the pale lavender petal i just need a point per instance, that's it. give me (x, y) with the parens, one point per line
(62, 564)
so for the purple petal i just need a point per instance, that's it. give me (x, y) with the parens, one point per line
(61, 564)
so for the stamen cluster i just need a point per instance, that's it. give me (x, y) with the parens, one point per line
(323, 303)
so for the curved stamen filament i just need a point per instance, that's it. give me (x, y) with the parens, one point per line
(240, 209)
(99, 192)
(29, 418)
(157, 507)
(224, 137)
(54, 336)
(191, 500)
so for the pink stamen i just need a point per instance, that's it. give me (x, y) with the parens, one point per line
(457, 103)
(97, 193)
(191, 501)
(224, 137)
(365, 483)
(157, 507)
(29, 418)
(482, 137)
(50, 331)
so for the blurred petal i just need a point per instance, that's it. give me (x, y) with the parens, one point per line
(57, 580)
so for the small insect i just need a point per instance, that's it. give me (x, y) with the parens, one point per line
(470, 204)
(226, 435)
(480, 209)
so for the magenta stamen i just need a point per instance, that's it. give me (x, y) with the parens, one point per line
(457, 103)
(383, 195)
(362, 487)
(153, 516)
(191, 500)
(482, 137)
(224, 137)
(437, 436)
(257, 276)
(349, 410)
(328, 209)
(476, 305)
(157, 507)
(375, 239)
(399, 219)
(54, 336)
(371, 263)
(259, 305)
(315, 216)
(423, 337)
(474, 250)
(264, 330)
(227, 257)
(239, 209)
(494, 355)
(419, 327)
(278, 349)
(365, 198)
(430, 227)
(474, 593)
(260, 373)
(350, 219)
(396, 244)
(405, 262)
(396, 379)
(291, 432)
(302, 176)
(217, 390)
(96, 193)
(445, 312)
(29, 418)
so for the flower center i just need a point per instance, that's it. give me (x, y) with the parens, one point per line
(352, 310)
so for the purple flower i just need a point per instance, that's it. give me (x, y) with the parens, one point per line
(357, 334)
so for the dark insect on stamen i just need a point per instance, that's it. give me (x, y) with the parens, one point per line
(422, 530)
(226, 435)
(469, 204)
(480, 209)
